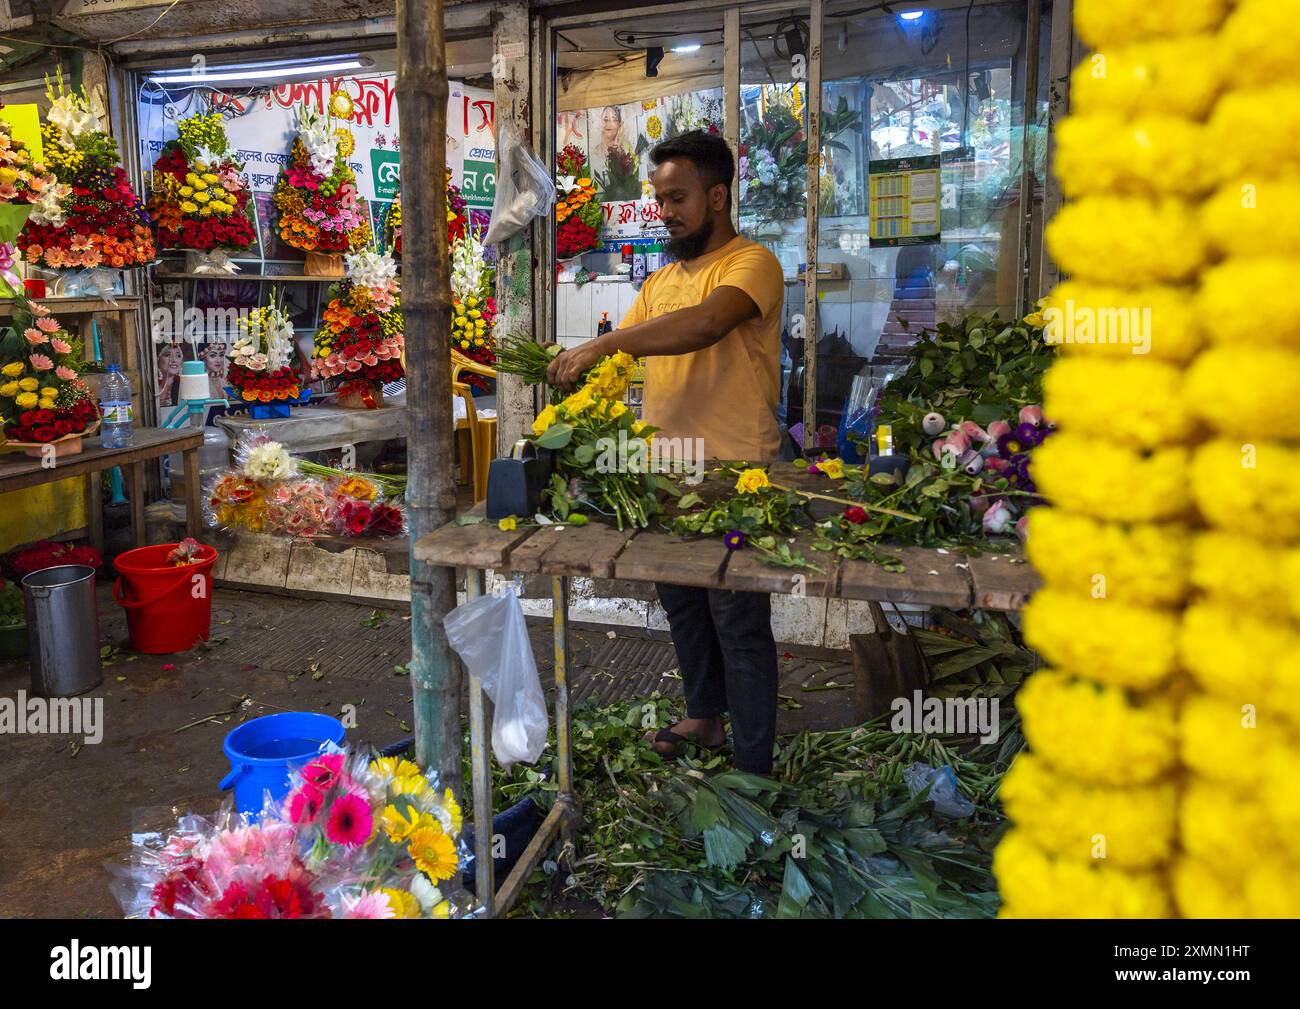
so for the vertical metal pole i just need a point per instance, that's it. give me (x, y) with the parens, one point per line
(563, 752)
(426, 307)
(1033, 31)
(1060, 63)
(813, 103)
(731, 98)
(480, 734)
(514, 279)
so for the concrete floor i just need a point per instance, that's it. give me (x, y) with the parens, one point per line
(68, 809)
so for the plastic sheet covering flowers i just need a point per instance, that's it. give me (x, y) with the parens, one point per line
(1164, 777)
(272, 492)
(98, 220)
(320, 209)
(360, 340)
(42, 396)
(577, 207)
(603, 462)
(260, 369)
(200, 199)
(357, 837)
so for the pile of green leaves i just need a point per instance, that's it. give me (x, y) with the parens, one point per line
(833, 832)
(980, 369)
(768, 511)
(12, 611)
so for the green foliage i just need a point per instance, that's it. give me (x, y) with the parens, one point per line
(12, 611)
(766, 511)
(979, 369)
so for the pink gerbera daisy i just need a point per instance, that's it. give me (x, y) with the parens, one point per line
(47, 324)
(35, 336)
(40, 311)
(61, 346)
(65, 373)
(40, 362)
(351, 820)
(304, 805)
(323, 772)
(370, 905)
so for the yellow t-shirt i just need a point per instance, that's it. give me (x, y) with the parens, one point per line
(728, 393)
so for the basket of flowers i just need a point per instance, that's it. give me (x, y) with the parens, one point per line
(360, 342)
(577, 210)
(260, 373)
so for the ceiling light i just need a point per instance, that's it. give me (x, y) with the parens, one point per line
(255, 71)
(911, 15)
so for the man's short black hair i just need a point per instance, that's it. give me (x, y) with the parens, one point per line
(708, 152)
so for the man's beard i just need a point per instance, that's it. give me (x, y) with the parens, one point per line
(691, 246)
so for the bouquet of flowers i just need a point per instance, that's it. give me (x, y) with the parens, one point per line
(621, 180)
(42, 396)
(26, 190)
(361, 338)
(457, 218)
(577, 210)
(773, 166)
(259, 370)
(316, 194)
(199, 200)
(241, 498)
(49, 554)
(99, 221)
(357, 837)
(473, 301)
(394, 225)
(358, 512)
(582, 429)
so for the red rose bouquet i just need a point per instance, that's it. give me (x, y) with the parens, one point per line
(577, 210)
(199, 200)
(42, 396)
(99, 220)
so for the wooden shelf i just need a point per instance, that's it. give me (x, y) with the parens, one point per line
(168, 275)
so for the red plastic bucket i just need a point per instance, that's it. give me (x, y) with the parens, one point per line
(168, 608)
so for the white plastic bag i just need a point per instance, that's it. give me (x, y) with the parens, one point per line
(525, 189)
(490, 635)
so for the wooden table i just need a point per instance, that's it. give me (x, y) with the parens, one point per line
(18, 472)
(325, 426)
(930, 577)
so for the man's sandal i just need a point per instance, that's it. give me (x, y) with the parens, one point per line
(676, 740)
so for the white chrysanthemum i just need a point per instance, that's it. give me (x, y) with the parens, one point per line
(425, 892)
(269, 461)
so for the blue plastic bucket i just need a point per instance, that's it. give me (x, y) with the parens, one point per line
(263, 753)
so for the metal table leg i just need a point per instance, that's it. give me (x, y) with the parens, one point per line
(480, 734)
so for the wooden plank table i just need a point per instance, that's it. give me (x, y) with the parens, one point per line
(930, 577)
(19, 471)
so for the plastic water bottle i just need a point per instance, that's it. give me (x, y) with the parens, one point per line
(115, 408)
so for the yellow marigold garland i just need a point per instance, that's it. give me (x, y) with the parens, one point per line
(1118, 22)
(1242, 392)
(1121, 484)
(1105, 154)
(1260, 41)
(1139, 403)
(1255, 217)
(1150, 78)
(1121, 239)
(1095, 320)
(1252, 302)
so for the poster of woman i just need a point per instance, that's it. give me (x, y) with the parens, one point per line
(612, 135)
(170, 358)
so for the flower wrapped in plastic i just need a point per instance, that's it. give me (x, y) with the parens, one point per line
(379, 834)
(357, 837)
(299, 507)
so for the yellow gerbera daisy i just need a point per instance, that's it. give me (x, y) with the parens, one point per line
(434, 853)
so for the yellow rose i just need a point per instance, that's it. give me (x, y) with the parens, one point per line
(26, 400)
(833, 468)
(28, 384)
(616, 410)
(50, 390)
(580, 401)
(752, 480)
(209, 177)
(13, 370)
(202, 197)
(187, 190)
(189, 207)
(544, 420)
(471, 302)
(9, 389)
(508, 524)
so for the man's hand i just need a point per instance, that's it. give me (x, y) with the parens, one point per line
(569, 366)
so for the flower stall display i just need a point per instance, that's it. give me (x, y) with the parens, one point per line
(28, 191)
(320, 210)
(269, 491)
(1165, 735)
(577, 208)
(101, 222)
(473, 302)
(261, 372)
(43, 400)
(360, 341)
(200, 200)
(358, 836)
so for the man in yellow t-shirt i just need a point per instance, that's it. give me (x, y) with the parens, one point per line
(709, 325)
